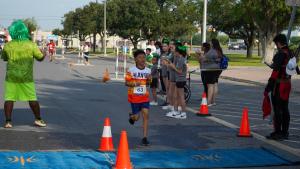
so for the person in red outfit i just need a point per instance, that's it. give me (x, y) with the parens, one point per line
(51, 49)
(279, 84)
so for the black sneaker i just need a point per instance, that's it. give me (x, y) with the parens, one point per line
(145, 142)
(131, 121)
(275, 136)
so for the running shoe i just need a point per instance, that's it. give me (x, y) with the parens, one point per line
(131, 121)
(40, 123)
(8, 124)
(145, 142)
(171, 113)
(153, 103)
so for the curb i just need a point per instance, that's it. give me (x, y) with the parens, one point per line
(243, 80)
(251, 82)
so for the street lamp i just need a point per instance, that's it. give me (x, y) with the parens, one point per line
(104, 28)
(204, 22)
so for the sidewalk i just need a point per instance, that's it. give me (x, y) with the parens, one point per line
(256, 75)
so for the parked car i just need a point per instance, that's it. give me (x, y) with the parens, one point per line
(233, 46)
(237, 46)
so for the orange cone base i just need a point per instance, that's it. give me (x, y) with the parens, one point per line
(203, 115)
(106, 145)
(131, 167)
(244, 135)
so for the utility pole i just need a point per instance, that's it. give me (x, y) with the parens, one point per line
(204, 22)
(291, 23)
(104, 28)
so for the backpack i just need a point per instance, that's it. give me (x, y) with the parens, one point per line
(224, 62)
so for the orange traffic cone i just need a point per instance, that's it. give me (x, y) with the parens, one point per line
(245, 126)
(123, 158)
(105, 76)
(106, 140)
(203, 108)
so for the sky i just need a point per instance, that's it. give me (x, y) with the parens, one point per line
(48, 13)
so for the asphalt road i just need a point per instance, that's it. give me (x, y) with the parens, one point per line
(74, 103)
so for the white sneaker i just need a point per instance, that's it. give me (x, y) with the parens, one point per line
(40, 123)
(153, 103)
(181, 115)
(167, 107)
(172, 113)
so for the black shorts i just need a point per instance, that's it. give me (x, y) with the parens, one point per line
(211, 77)
(180, 84)
(154, 83)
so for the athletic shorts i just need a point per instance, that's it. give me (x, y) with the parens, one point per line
(154, 83)
(51, 52)
(211, 77)
(180, 84)
(137, 107)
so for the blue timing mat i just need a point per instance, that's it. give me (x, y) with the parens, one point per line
(248, 157)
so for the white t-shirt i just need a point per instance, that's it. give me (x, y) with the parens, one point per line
(86, 48)
(153, 48)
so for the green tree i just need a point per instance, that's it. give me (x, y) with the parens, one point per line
(270, 17)
(129, 17)
(230, 17)
(31, 24)
(178, 18)
(78, 23)
(96, 24)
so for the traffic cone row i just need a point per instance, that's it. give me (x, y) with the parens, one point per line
(123, 156)
(106, 145)
(244, 130)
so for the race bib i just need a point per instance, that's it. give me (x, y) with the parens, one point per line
(140, 90)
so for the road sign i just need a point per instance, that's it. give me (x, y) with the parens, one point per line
(292, 2)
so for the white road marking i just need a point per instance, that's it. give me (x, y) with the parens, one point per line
(294, 151)
(289, 149)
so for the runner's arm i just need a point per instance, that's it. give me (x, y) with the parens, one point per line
(132, 84)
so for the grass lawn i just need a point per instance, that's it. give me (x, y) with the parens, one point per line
(236, 60)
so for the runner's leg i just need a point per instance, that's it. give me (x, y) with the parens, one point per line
(145, 113)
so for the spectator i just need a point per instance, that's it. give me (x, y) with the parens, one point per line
(205, 48)
(279, 84)
(212, 71)
(152, 46)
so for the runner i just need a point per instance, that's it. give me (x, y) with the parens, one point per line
(137, 79)
(51, 49)
(19, 84)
